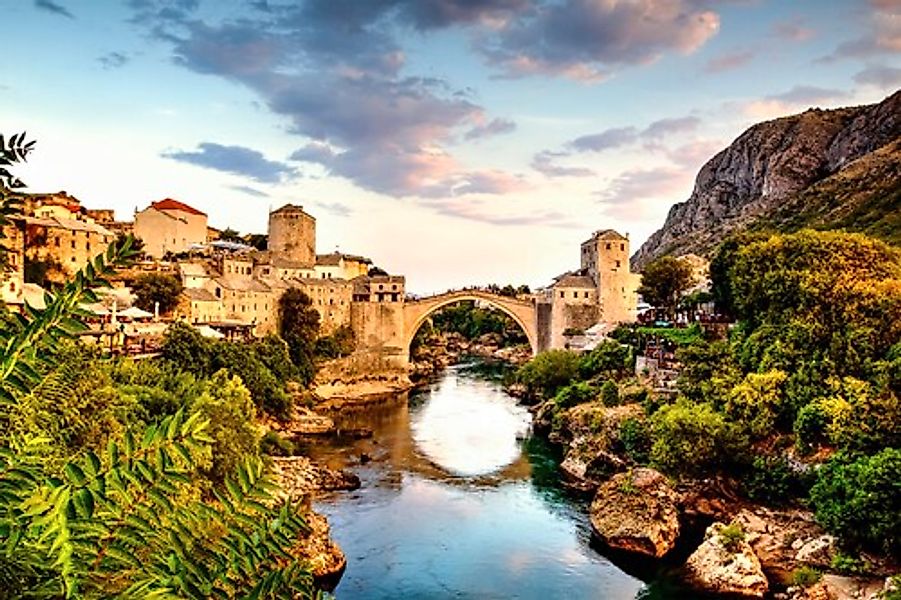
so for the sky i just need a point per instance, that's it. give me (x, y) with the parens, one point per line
(458, 142)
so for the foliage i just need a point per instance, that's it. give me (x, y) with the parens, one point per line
(152, 288)
(574, 394)
(691, 438)
(806, 576)
(273, 444)
(664, 281)
(264, 367)
(113, 526)
(757, 402)
(44, 272)
(610, 393)
(635, 438)
(545, 374)
(680, 336)
(298, 325)
(340, 343)
(234, 435)
(848, 565)
(860, 499)
(771, 479)
(731, 536)
(609, 358)
(472, 322)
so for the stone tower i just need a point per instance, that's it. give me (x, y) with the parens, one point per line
(292, 235)
(605, 259)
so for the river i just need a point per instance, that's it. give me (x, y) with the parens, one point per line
(459, 501)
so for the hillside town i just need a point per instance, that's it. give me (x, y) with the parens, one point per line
(231, 289)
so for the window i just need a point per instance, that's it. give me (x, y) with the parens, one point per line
(563, 294)
(87, 245)
(622, 247)
(608, 246)
(617, 264)
(57, 241)
(73, 242)
(586, 294)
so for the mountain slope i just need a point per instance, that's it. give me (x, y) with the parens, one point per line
(820, 168)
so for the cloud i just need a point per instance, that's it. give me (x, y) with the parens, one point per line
(605, 140)
(588, 40)
(236, 160)
(249, 191)
(626, 195)
(882, 38)
(487, 182)
(494, 127)
(693, 155)
(337, 209)
(792, 101)
(53, 7)
(544, 163)
(618, 137)
(793, 30)
(729, 62)
(113, 60)
(881, 76)
(666, 127)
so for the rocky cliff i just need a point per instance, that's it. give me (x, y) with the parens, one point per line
(820, 168)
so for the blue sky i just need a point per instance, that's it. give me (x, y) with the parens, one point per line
(456, 141)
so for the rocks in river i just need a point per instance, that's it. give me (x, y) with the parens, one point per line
(299, 477)
(592, 454)
(726, 564)
(637, 511)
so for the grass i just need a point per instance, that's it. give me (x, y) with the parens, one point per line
(806, 576)
(681, 337)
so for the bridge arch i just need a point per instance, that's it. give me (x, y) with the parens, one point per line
(522, 312)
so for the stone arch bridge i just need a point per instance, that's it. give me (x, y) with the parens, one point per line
(523, 312)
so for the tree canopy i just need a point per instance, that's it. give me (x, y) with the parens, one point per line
(664, 281)
(152, 288)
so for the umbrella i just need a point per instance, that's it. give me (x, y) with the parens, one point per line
(135, 313)
(207, 331)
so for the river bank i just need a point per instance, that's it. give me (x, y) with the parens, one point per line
(765, 551)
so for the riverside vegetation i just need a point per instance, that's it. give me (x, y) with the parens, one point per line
(798, 406)
(140, 479)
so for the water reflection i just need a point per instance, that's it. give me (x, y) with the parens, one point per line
(469, 427)
(457, 503)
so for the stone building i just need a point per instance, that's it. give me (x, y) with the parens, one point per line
(574, 307)
(605, 259)
(292, 235)
(68, 243)
(170, 226)
(341, 266)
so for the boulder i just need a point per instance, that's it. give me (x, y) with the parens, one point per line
(818, 551)
(637, 512)
(729, 567)
(320, 552)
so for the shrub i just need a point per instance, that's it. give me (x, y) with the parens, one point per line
(545, 374)
(575, 393)
(635, 439)
(771, 479)
(273, 444)
(267, 391)
(731, 536)
(810, 427)
(848, 565)
(806, 576)
(757, 402)
(691, 438)
(609, 358)
(860, 500)
(610, 393)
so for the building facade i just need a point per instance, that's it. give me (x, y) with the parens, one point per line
(170, 227)
(292, 235)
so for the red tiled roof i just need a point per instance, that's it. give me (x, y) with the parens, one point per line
(170, 204)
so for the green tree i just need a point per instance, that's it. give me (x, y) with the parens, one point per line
(691, 439)
(152, 288)
(664, 281)
(548, 372)
(189, 351)
(230, 235)
(298, 325)
(860, 500)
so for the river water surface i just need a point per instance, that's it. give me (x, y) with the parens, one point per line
(458, 501)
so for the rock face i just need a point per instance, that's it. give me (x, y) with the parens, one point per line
(637, 512)
(326, 559)
(591, 432)
(768, 166)
(720, 567)
(300, 478)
